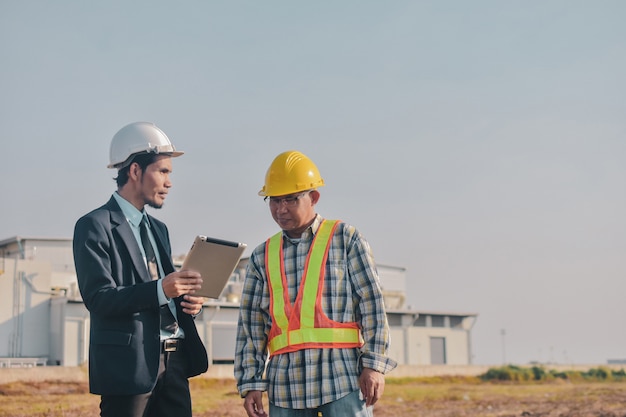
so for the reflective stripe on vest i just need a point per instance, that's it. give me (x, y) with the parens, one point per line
(304, 325)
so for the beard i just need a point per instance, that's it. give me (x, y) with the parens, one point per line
(152, 203)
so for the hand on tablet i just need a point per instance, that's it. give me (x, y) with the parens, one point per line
(192, 305)
(215, 260)
(181, 282)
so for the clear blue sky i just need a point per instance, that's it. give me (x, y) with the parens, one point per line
(480, 144)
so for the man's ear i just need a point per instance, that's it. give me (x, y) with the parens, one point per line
(315, 196)
(134, 171)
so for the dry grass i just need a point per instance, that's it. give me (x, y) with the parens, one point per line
(403, 397)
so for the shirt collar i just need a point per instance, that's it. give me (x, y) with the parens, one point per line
(131, 213)
(316, 224)
(309, 232)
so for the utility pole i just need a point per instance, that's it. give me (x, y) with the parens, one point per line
(503, 334)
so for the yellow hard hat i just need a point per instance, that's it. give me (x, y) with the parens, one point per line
(290, 172)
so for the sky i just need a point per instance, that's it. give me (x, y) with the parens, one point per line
(480, 145)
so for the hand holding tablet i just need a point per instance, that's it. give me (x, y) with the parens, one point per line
(215, 260)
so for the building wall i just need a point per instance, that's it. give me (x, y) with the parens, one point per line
(24, 314)
(69, 332)
(76, 337)
(217, 326)
(39, 323)
(412, 346)
(456, 352)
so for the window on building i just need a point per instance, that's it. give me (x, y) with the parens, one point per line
(456, 322)
(438, 321)
(394, 320)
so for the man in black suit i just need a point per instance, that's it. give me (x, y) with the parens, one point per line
(143, 344)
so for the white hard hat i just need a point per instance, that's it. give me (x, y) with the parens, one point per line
(139, 137)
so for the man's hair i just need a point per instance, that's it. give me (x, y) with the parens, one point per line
(143, 159)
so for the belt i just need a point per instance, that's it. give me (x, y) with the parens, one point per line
(171, 345)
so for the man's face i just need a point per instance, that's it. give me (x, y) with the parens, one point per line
(294, 212)
(155, 181)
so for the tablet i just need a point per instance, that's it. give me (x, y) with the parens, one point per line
(215, 260)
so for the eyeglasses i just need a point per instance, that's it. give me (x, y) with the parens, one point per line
(289, 201)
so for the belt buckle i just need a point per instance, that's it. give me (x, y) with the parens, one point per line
(170, 345)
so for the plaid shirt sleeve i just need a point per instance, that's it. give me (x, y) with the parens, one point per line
(370, 310)
(251, 343)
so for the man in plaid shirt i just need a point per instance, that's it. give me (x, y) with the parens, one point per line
(312, 302)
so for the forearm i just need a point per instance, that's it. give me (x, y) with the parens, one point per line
(371, 309)
(251, 342)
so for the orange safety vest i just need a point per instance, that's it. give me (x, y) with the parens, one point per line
(304, 325)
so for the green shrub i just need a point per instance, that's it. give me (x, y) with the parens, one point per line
(537, 373)
(508, 373)
(598, 374)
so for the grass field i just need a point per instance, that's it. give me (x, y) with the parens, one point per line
(406, 397)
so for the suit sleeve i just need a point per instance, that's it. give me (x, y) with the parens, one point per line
(109, 287)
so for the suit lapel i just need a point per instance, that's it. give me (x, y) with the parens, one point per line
(161, 239)
(121, 227)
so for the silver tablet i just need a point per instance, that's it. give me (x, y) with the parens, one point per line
(215, 260)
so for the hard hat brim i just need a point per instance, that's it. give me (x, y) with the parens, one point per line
(129, 160)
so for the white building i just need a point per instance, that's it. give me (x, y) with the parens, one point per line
(46, 322)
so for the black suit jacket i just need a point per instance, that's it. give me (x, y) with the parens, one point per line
(124, 345)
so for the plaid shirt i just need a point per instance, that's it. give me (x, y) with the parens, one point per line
(309, 378)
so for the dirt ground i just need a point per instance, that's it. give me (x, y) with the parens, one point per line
(218, 398)
(585, 400)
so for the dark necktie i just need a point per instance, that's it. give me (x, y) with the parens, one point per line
(168, 322)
